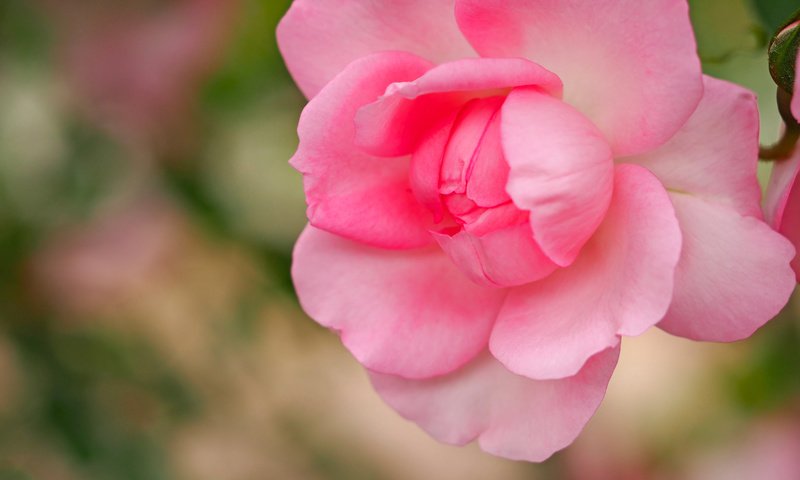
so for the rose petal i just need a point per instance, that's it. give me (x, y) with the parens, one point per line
(426, 165)
(620, 285)
(782, 182)
(782, 205)
(471, 129)
(489, 169)
(733, 275)
(509, 415)
(394, 124)
(795, 106)
(629, 65)
(561, 170)
(349, 192)
(715, 155)
(409, 313)
(318, 38)
(501, 258)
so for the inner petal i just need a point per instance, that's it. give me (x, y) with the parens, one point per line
(396, 123)
(488, 172)
(480, 228)
(562, 171)
(465, 140)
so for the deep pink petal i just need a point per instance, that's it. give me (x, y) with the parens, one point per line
(620, 285)
(489, 169)
(504, 257)
(561, 170)
(782, 205)
(318, 38)
(782, 182)
(409, 313)
(733, 275)
(393, 125)
(349, 192)
(471, 130)
(796, 98)
(426, 165)
(629, 65)
(510, 416)
(715, 155)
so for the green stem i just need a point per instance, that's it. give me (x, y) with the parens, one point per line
(784, 148)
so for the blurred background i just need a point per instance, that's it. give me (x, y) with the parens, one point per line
(148, 327)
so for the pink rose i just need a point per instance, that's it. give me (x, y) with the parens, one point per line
(484, 228)
(782, 203)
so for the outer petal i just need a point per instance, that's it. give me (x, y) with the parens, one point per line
(318, 38)
(620, 285)
(393, 124)
(796, 98)
(509, 415)
(715, 154)
(561, 171)
(782, 183)
(783, 202)
(409, 313)
(500, 258)
(630, 65)
(733, 275)
(349, 192)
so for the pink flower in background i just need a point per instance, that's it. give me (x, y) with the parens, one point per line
(85, 268)
(500, 190)
(137, 67)
(768, 448)
(782, 203)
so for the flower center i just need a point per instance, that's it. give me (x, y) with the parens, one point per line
(472, 172)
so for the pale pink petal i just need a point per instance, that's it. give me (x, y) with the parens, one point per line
(715, 154)
(629, 65)
(393, 124)
(733, 275)
(620, 285)
(318, 38)
(561, 170)
(349, 192)
(501, 258)
(409, 313)
(782, 205)
(510, 416)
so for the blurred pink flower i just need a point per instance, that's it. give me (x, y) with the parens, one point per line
(86, 268)
(137, 67)
(768, 449)
(484, 228)
(782, 203)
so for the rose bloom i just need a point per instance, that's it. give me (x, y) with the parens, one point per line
(782, 204)
(499, 190)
